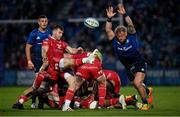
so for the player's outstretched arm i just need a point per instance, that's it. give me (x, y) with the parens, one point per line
(122, 11)
(108, 26)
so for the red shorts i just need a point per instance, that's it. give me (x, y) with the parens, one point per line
(114, 78)
(55, 74)
(87, 71)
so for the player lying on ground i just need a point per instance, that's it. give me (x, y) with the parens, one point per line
(87, 97)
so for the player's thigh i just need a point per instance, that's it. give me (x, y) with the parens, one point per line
(68, 77)
(83, 71)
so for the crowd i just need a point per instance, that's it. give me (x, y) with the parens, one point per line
(156, 22)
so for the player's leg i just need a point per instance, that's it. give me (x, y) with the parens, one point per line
(113, 98)
(70, 92)
(37, 65)
(69, 62)
(101, 90)
(139, 78)
(149, 93)
(25, 95)
(33, 103)
(131, 100)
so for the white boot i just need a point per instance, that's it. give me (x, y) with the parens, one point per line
(122, 101)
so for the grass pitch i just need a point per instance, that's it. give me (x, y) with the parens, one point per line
(166, 103)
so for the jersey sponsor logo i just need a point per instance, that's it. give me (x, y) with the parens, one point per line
(38, 38)
(59, 46)
(39, 43)
(125, 48)
(142, 69)
(127, 41)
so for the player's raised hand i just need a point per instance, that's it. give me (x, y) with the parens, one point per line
(121, 9)
(30, 65)
(110, 12)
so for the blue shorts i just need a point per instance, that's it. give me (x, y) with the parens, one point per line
(37, 64)
(137, 67)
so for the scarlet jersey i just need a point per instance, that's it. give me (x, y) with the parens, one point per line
(87, 71)
(56, 49)
(82, 55)
(114, 78)
(78, 56)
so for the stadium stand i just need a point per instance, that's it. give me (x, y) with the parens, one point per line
(156, 22)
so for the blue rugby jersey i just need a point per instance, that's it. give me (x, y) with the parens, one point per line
(35, 39)
(128, 53)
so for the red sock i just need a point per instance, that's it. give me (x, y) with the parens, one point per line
(23, 99)
(101, 94)
(61, 101)
(69, 94)
(51, 103)
(78, 62)
(113, 101)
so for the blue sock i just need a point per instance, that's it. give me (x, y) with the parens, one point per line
(144, 101)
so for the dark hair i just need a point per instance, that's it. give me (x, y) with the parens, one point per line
(58, 27)
(41, 16)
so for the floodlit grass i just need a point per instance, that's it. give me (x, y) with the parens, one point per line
(166, 103)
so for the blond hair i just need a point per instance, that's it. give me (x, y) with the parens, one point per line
(120, 28)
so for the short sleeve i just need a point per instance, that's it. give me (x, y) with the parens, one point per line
(31, 38)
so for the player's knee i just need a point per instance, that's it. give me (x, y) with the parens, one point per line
(71, 81)
(65, 63)
(61, 63)
(79, 82)
(101, 79)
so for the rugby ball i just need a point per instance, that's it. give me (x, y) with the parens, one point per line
(91, 23)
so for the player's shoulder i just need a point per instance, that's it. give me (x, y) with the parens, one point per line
(34, 32)
(48, 29)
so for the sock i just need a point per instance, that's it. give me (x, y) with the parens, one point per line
(61, 101)
(144, 101)
(22, 99)
(68, 97)
(147, 91)
(33, 99)
(101, 94)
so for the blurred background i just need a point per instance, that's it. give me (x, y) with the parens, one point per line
(156, 21)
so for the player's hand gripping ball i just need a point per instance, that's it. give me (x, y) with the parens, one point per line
(91, 23)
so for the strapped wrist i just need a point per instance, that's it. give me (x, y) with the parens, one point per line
(125, 15)
(109, 19)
